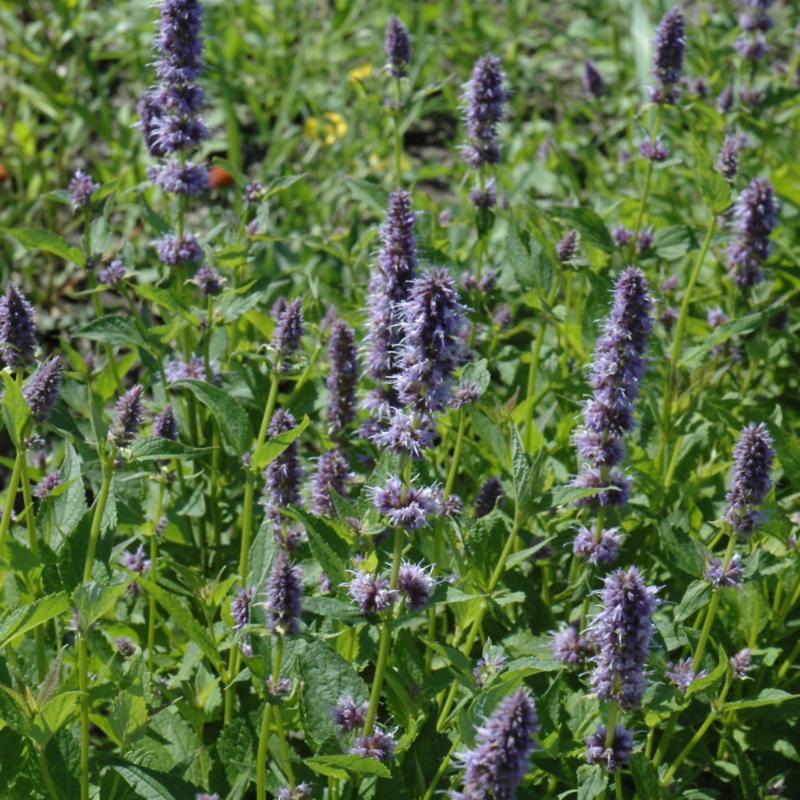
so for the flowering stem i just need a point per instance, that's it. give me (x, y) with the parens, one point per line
(99, 509)
(263, 736)
(41, 657)
(680, 329)
(398, 140)
(701, 731)
(11, 495)
(385, 641)
(442, 768)
(451, 475)
(247, 529)
(478, 621)
(712, 608)
(83, 687)
(648, 176)
(151, 611)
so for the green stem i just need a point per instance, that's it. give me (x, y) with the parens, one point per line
(11, 494)
(680, 330)
(453, 471)
(398, 139)
(97, 518)
(83, 686)
(786, 666)
(699, 734)
(478, 621)
(46, 776)
(442, 769)
(648, 176)
(151, 611)
(33, 543)
(263, 736)
(385, 640)
(247, 530)
(712, 608)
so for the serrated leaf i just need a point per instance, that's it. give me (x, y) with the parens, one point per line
(114, 329)
(592, 781)
(70, 507)
(56, 714)
(694, 598)
(476, 372)
(564, 495)
(694, 356)
(150, 448)
(767, 697)
(332, 552)
(645, 776)
(228, 412)
(520, 471)
(339, 766)
(40, 239)
(94, 600)
(30, 616)
(270, 450)
(591, 227)
(152, 785)
(16, 411)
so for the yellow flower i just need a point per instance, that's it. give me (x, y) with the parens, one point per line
(360, 73)
(337, 129)
(311, 127)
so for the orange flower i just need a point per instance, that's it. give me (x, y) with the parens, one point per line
(217, 177)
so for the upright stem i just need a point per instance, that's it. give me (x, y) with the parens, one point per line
(398, 139)
(11, 494)
(263, 736)
(33, 543)
(247, 530)
(385, 641)
(151, 611)
(648, 176)
(99, 509)
(680, 330)
(453, 471)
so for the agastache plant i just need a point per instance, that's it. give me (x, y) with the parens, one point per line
(755, 215)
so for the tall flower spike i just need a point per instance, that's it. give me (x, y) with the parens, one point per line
(484, 97)
(81, 188)
(342, 376)
(622, 633)
(288, 330)
(489, 496)
(432, 324)
(284, 596)
(592, 80)
(128, 418)
(331, 476)
(395, 269)
(615, 374)
(669, 47)
(17, 329)
(41, 393)
(398, 48)
(494, 769)
(165, 424)
(755, 216)
(283, 474)
(750, 483)
(613, 757)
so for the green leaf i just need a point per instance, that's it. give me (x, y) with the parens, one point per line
(592, 781)
(16, 411)
(564, 495)
(270, 450)
(477, 372)
(70, 507)
(788, 449)
(591, 227)
(127, 715)
(56, 714)
(28, 617)
(150, 784)
(332, 552)
(694, 598)
(748, 777)
(716, 190)
(695, 356)
(373, 194)
(40, 239)
(645, 776)
(94, 600)
(184, 621)
(326, 678)
(767, 697)
(114, 329)
(520, 471)
(228, 412)
(339, 766)
(150, 448)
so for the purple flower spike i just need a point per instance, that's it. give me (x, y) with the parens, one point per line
(389, 285)
(615, 375)
(17, 329)
(180, 43)
(288, 331)
(398, 48)
(755, 216)
(569, 647)
(725, 100)
(348, 716)
(622, 633)
(371, 593)
(654, 150)
(342, 377)
(487, 668)
(592, 80)
(494, 769)
(614, 757)
(669, 46)
(489, 496)
(380, 746)
(209, 280)
(432, 323)
(165, 424)
(128, 418)
(602, 549)
(114, 273)
(81, 189)
(406, 507)
(47, 485)
(728, 159)
(135, 561)
(41, 393)
(403, 432)
(741, 664)
(416, 585)
(300, 792)
(173, 250)
(284, 596)
(483, 100)
(750, 483)
(283, 474)
(240, 607)
(720, 576)
(567, 249)
(622, 236)
(332, 475)
(682, 676)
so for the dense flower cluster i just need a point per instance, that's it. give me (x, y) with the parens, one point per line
(484, 98)
(128, 418)
(754, 218)
(342, 376)
(283, 475)
(398, 48)
(614, 756)
(669, 47)
(750, 482)
(17, 329)
(284, 596)
(41, 392)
